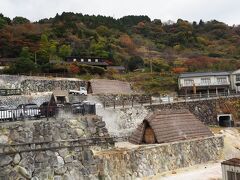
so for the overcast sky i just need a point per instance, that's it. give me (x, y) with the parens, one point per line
(191, 10)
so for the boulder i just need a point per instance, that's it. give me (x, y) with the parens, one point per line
(60, 160)
(60, 170)
(5, 160)
(3, 139)
(16, 159)
(24, 172)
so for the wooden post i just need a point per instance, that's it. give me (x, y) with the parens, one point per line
(132, 100)
(150, 100)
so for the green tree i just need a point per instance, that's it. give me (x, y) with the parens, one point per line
(25, 63)
(65, 50)
(20, 20)
(47, 50)
(4, 21)
(135, 63)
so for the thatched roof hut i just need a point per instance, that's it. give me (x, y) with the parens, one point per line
(60, 96)
(105, 86)
(169, 126)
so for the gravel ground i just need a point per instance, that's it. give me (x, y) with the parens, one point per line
(202, 172)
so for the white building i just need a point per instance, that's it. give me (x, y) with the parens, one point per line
(208, 82)
(231, 169)
(235, 80)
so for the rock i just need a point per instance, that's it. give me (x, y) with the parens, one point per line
(34, 178)
(16, 159)
(60, 160)
(60, 171)
(68, 159)
(24, 172)
(41, 157)
(63, 152)
(5, 160)
(101, 124)
(74, 122)
(93, 130)
(57, 178)
(3, 139)
(63, 135)
(67, 177)
(80, 132)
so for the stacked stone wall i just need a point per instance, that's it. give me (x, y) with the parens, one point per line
(28, 84)
(145, 161)
(55, 149)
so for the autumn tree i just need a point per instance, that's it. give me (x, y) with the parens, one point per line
(74, 69)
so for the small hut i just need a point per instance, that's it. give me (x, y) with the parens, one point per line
(231, 169)
(60, 97)
(169, 126)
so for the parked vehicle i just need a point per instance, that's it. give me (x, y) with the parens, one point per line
(77, 108)
(27, 110)
(82, 91)
(6, 113)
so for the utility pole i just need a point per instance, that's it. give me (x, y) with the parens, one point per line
(150, 61)
(151, 65)
(35, 57)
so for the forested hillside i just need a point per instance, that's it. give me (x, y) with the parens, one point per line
(131, 41)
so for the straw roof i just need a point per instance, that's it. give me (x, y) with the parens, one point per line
(170, 126)
(105, 86)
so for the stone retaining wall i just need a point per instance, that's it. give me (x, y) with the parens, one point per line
(55, 149)
(29, 84)
(14, 101)
(38, 98)
(150, 160)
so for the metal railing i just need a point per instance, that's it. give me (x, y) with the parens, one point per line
(10, 92)
(19, 114)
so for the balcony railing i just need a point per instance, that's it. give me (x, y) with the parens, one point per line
(205, 84)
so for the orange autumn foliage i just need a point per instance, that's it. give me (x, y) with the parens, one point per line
(178, 70)
(74, 69)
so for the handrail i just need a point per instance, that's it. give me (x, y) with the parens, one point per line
(148, 100)
(19, 114)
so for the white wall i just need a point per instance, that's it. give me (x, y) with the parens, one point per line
(198, 82)
(234, 81)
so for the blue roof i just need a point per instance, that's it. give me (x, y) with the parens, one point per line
(200, 74)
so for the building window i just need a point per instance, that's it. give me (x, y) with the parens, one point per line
(82, 60)
(188, 82)
(231, 175)
(237, 77)
(96, 60)
(89, 60)
(205, 80)
(222, 80)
